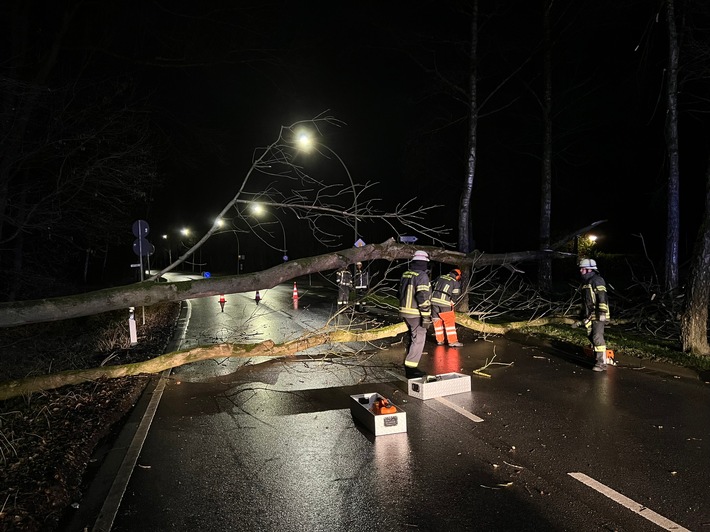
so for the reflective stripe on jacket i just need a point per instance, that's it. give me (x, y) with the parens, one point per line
(344, 277)
(446, 291)
(595, 301)
(414, 294)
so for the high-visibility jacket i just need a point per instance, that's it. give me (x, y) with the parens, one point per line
(344, 278)
(446, 291)
(415, 292)
(595, 301)
(362, 279)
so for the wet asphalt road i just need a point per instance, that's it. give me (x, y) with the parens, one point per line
(543, 443)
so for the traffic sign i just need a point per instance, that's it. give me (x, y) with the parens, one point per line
(140, 228)
(142, 247)
(360, 243)
(407, 239)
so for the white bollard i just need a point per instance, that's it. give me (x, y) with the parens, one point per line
(132, 325)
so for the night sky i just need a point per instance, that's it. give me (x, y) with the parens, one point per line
(219, 78)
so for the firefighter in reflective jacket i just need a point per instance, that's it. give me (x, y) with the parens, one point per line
(362, 279)
(344, 279)
(446, 291)
(595, 310)
(415, 309)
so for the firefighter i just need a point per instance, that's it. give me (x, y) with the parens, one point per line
(362, 279)
(344, 279)
(415, 309)
(595, 310)
(446, 291)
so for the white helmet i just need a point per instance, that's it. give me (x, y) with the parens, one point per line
(421, 255)
(589, 264)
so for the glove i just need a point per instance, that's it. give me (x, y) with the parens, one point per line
(426, 322)
(576, 324)
(602, 317)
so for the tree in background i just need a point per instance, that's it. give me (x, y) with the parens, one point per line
(673, 212)
(76, 161)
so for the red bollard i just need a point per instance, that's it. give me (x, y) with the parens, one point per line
(222, 301)
(257, 297)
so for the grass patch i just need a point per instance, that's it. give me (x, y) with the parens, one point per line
(626, 342)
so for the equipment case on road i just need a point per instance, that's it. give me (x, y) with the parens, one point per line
(439, 385)
(380, 424)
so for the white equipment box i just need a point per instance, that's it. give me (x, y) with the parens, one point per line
(439, 385)
(361, 407)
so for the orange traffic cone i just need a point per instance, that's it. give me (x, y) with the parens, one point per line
(295, 292)
(222, 301)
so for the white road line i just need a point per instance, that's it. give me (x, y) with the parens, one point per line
(457, 408)
(446, 402)
(632, 505)
(113, 500)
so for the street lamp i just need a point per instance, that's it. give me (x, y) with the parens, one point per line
(258, 209)
(305, 142)
(170, 251)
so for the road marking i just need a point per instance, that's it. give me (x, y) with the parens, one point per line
(108, 512)
(113, 500)
(632, 505)
(446, 402)
(457, 408)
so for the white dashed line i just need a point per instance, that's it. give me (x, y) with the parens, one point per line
(445, 402)
(457, 408)
(624, 501)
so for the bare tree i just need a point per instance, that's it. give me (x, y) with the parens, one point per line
(465, 202)
(673, 206)
(694, 321)
(545, 266)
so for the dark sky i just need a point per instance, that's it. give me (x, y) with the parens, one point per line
(219, 78)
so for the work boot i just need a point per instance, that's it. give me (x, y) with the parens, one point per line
(440, 343)
(455, 344)
(413, 373)
(600, 363)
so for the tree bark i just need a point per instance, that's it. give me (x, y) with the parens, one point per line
(673, 222)
(150, 293)
(694, 321)
(268, 348)
(544, 276)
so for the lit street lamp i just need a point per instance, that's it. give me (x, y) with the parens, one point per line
(305, 142)
(258, 209)
(170, 251)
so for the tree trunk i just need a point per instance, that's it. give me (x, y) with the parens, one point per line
(150, 293)
(694, 321)
(466, 242)
(673, 227)
(544, 275)
(268, 348)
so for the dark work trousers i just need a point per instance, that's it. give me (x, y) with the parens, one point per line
(417, 337)
(343, 294)
(596, 337)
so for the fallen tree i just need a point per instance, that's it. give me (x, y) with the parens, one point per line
(267, 348)
(150, 293)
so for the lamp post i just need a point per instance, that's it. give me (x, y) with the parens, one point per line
(305, 141)
(170, 251)
(186, 233)
(258, 209)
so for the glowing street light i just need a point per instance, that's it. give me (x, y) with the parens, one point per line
(592, 238)
(305, 142)
(258, 209)
(170, 251)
